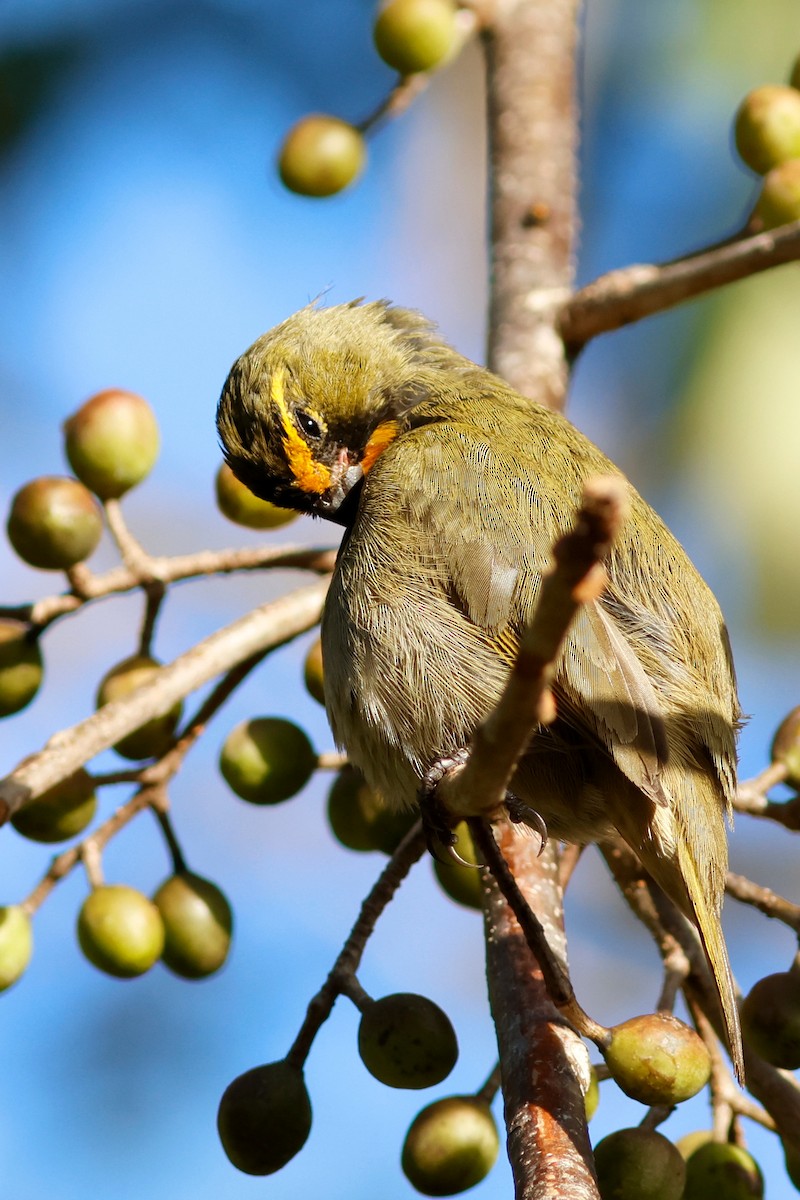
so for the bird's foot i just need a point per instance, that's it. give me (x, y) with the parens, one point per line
(437, 820)
(520, 813)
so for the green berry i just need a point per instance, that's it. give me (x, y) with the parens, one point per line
(693, 1141)
(267, 760)
(639, 1164)
(462, 884)
(407, 1041)
(359, 817)
(264, 1118)
(21, 667)
(312, 672)
(120, 931)
(16, 944)
(112, 442)
(657, 1059)
(767, 127)
(415, 35)
(197, 925)
(320, 156)
(236, 502)
(451, 1145)
(786, 747)
(54, 523)
(61, 812)
(156, 736)
(592, 1098)
(779, 201)
(724, 1172)
(771, 1019)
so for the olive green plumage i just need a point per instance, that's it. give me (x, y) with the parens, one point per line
(453, 488)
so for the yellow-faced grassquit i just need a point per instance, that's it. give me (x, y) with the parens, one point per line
(452, 489)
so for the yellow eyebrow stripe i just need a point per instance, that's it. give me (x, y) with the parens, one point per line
(309, 474)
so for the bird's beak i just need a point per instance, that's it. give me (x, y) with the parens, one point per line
(345, 474)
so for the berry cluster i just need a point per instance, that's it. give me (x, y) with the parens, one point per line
(767, 136)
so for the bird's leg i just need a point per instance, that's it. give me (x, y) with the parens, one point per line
(437, 820)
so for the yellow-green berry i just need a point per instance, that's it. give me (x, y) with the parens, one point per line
(21, 667)
(54, 523)
(61, 812)
(236, 502)
(415, 35)
(197, 925)
(155, 737)
(321, 155)
(120, 931)
(112, 442)
(267, 760)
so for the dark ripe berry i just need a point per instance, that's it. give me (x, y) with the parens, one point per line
(267, 760)
(639, 1164)
(236, 502)
(120, 931)
(767, 127)
(16, 944)
(407, 1041)
(360, 819)
(771, 1019)
(197, 925)
(112, 442)
(313, 673)
(320, 156)
(415, 35)
(54, 523)
(720, 1171)
(153, 738)
(657, 1059)
(462, 884)
(21, 667)
(451, 1145)
(61, 812)
(779, 201)
(264, 1118)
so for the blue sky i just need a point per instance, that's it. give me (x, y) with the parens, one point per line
(144, 242)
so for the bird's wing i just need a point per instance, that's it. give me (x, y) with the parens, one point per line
(492, 528)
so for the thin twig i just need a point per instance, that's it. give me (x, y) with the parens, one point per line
(631, 293)
(319, 1009)
(764, 899)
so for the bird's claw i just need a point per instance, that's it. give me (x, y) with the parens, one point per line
(437, 821)
(522, 814)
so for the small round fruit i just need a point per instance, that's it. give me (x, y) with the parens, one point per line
(120, 931)
(415, 35)
(16, 944)
(360, 819)
(153, 738)
(236, 502)
(786, 747)
(592, 1098)
(771, 1019)
(61, 812)
(267, 760)
(112, 442)
(693, 1141)
(312, 672)
(779, 201)
(462, 884)
(657, 1059)
(723, 1171)
(54, 523)
(264, 1118)
(320, 156)
(767, 127)
(451, 1145)
(197, 925)
(21, 667)
(639, 1164)
(407, 1041)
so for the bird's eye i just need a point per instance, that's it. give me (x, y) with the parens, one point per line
(308, 425)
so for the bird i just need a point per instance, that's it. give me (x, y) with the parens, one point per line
(452, 488)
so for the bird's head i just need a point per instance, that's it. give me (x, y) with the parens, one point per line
(309, 408)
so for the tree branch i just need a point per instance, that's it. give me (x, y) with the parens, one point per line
(266, 627)
(631, 293)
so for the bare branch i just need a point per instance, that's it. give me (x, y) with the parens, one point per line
(264, 628)
(87, 586)
(631, 293)
(764, 899)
